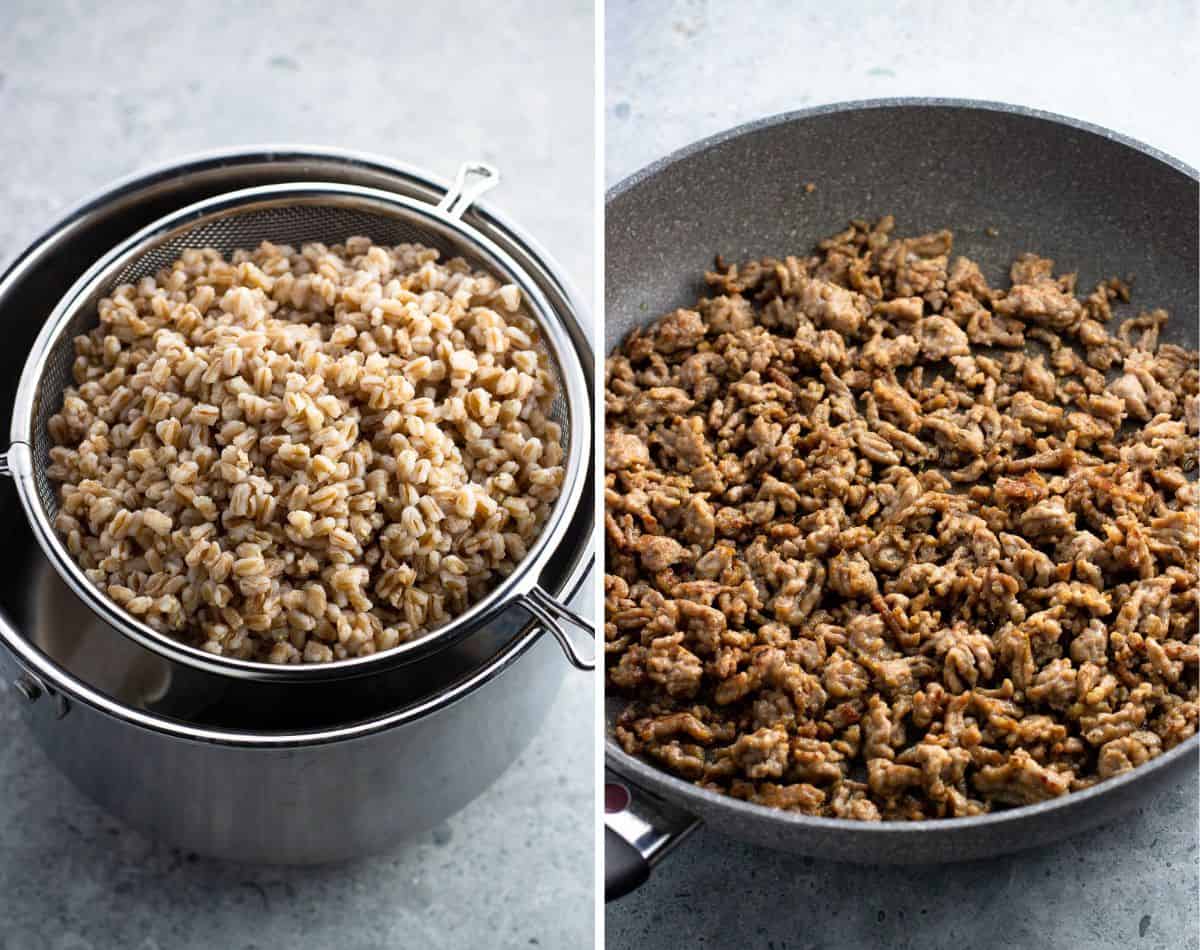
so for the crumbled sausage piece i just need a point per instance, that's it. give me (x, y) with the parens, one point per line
(1042, 302)
(801, 797)
(888, 779)
(762, 754)
(833, 307)
(686, 760)
(1020, 780)
(890, 352)
(1048, 519)
(1128, 388)
(659, 553)
(943, 775)
(966, 276)
(1054, 685)
(662, 402)
(850, 575)
(941, 338)
(674, 666)
(624, 451)
(868, 559)
(1029, 269)
(850, 801)
(904, 309)
(879, 731)
(682, 330)
(1091, 644)
(672, 726)
(918, 266)
(815, 762)
(1121, 755)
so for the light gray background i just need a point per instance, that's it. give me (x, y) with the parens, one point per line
(93, 91)
(678, 71)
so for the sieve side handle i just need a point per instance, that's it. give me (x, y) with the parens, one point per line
(555, 617)
(16, 462)
(474, 179)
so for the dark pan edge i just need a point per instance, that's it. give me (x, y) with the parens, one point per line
(898, 835)
(856, 105)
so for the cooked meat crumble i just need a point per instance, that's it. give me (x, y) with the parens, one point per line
(885, 542)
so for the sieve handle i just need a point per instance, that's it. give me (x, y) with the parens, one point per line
(15, 463)
(541, 606)
(473, 180)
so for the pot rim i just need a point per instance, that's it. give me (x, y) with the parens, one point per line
(54, 678)
(685, 794)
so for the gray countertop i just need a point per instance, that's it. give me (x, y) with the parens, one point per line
(93, 91)
(678, 71)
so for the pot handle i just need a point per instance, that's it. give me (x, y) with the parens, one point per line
(473, 180)
(541, 606)
(640, 829)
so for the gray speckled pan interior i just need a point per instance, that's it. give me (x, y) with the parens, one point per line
(1096, 202)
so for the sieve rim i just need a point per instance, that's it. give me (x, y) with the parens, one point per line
(508, 592)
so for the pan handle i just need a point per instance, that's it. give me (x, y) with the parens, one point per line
(556, 618)
(640, 829)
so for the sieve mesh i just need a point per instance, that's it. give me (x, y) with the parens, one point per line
(292, 215)
(329, 221)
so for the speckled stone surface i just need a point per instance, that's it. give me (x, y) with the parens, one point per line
(93, 91)
(677, 72)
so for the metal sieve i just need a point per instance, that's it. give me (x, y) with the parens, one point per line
(294, 214)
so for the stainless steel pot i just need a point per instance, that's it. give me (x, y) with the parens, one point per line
(1084, 195)
(268, 777)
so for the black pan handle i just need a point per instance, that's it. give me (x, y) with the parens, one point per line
(640, 828)
(625, 869)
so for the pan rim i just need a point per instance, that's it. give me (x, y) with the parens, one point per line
(898, 102)
(686, 795)
(683, 794)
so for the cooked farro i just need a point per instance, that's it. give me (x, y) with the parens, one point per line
(303, 456)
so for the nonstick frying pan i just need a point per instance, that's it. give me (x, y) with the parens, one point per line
(1093, 200)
